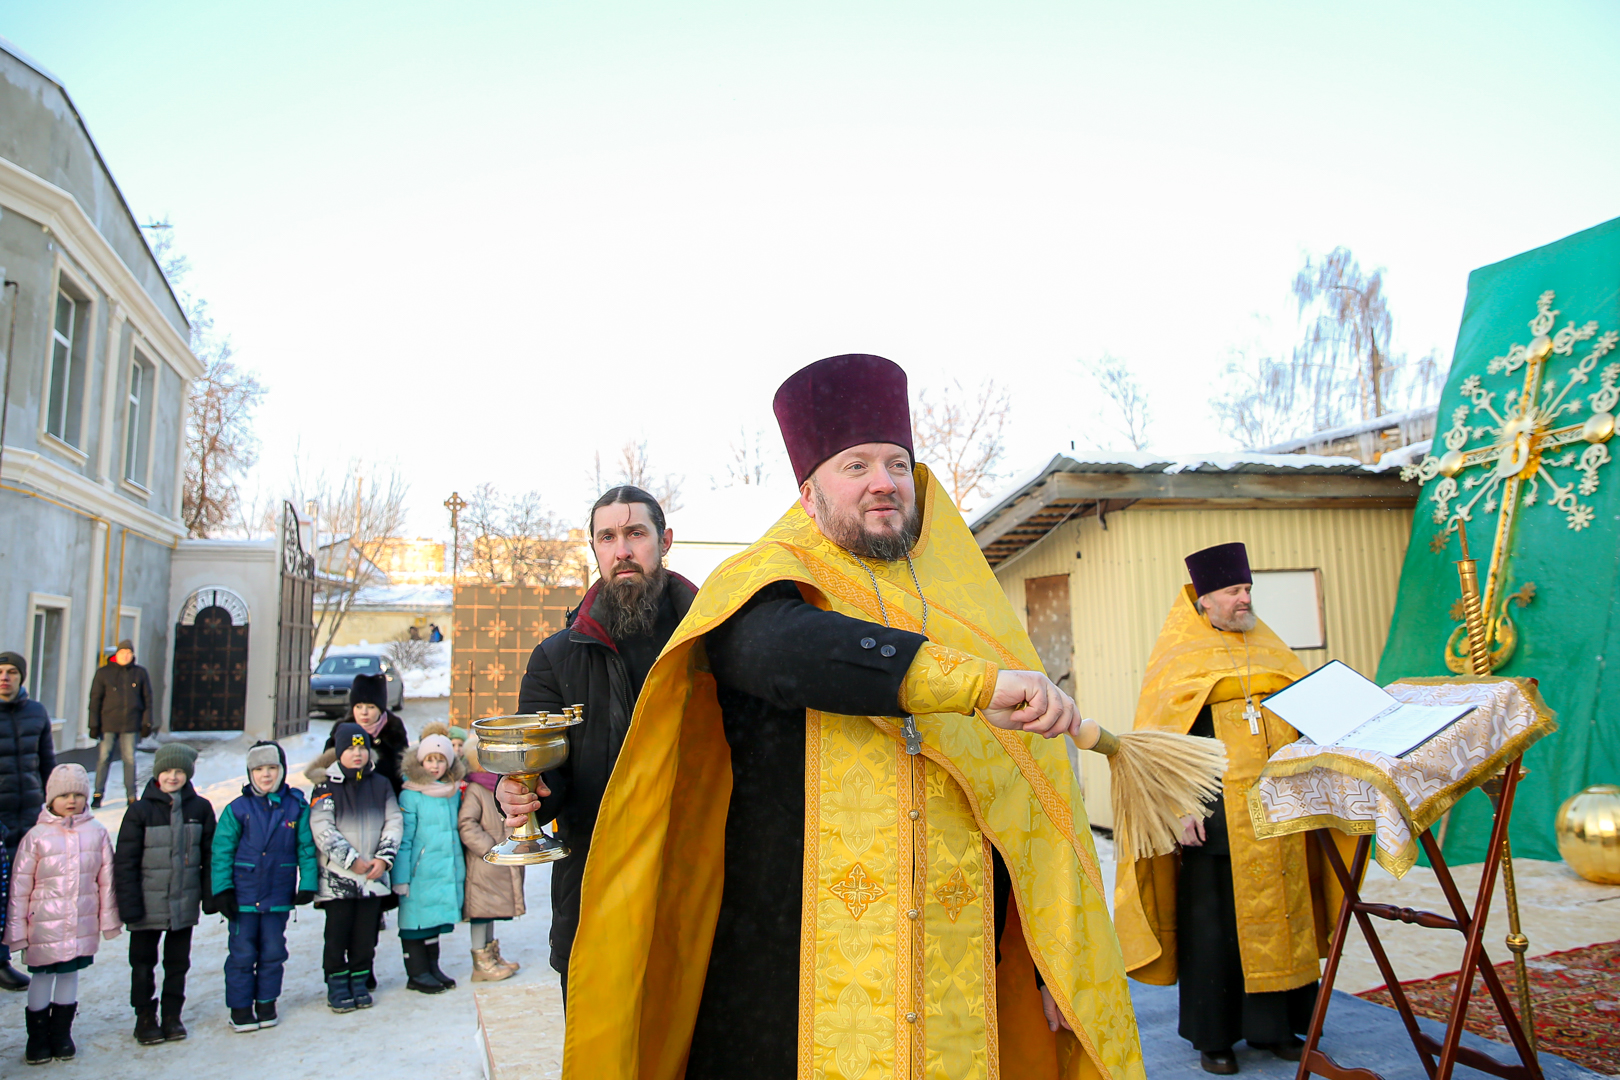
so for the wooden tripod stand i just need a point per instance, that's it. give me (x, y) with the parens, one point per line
(1439, 1058)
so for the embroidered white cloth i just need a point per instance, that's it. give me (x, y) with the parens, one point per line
(1305, 786)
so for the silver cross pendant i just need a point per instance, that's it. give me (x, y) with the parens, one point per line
(1251, 713)
(913, 736)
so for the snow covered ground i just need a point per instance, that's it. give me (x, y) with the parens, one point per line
(405, 1034)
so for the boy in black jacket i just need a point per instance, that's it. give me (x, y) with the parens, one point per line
(161, 877)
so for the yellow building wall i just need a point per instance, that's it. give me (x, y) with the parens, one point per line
(1122, 586)
(381, 627)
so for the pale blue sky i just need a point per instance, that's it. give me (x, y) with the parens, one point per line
(444, 233)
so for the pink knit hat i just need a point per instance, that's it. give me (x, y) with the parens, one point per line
(436, 744)
(68, 779)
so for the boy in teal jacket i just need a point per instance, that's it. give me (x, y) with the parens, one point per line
(263, 852)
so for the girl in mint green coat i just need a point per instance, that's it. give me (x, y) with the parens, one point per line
(429, 871)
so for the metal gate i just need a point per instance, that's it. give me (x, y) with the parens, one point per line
(497, 627)
(295, 629)
(210, 663)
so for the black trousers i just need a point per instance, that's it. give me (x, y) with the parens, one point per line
(1215, 1010)
(143, 960)
(351, 935)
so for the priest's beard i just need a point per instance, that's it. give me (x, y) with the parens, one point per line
(847, 531)
(1241, 622)
(630, 604)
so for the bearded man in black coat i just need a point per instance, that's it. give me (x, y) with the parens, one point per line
(600, 659)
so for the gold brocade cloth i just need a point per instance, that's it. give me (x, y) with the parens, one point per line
(1283, 900)
(1306, 786)
(898, 977)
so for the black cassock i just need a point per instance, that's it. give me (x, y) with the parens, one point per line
(1216, 1012)
(772, 660)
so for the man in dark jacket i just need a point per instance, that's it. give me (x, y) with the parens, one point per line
(600, 660)
(120, 709)
(27, 757)
(161, 876)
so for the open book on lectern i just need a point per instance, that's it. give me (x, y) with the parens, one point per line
(1337, 706)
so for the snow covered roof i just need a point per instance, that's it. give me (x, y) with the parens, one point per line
(1075, 485)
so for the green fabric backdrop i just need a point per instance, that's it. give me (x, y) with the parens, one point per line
(1569, 632)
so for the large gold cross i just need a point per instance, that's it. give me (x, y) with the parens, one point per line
(1517, 456)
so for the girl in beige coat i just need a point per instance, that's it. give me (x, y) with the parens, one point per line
(493, 892)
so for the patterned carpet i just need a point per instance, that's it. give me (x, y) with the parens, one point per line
(1575, 994)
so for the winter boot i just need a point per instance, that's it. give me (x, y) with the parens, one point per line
(433, 964)
(11, 978)
(418, 977)
(266, 1012)
(61, 1031)
(38, 1050)
(486, 968)
(339, 998)
(147, 1032)
(360, 988)
(495, 950)
(242, 1019)
(173, 1029)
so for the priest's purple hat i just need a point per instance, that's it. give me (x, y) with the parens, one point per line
(1219, 567)
(840, 402)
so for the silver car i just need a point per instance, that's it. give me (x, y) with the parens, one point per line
(329, 686)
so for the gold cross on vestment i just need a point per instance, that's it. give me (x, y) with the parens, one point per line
(1517, 456)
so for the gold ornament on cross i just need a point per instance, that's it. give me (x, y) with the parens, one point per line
(1518, 453)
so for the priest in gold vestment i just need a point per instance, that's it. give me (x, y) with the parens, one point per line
(836, 844)
(1241, 921)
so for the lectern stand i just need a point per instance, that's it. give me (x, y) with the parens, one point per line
(1393, 801)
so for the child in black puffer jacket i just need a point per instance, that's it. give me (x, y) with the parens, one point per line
(161, 877)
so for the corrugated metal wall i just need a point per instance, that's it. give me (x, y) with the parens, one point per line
(1126, 578)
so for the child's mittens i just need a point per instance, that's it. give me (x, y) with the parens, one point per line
(108, 935)
(303, 896)
(225, 901)
(403, 888)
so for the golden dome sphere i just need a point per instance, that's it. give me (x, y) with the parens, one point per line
(1588, 828)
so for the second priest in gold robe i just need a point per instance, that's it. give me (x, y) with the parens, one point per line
(1241, 922)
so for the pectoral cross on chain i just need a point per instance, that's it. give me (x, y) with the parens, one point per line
(1251, 713)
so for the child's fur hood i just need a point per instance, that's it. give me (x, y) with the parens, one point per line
(414, 773)
(319, 770)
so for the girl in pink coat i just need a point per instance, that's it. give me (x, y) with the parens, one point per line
(61, 906)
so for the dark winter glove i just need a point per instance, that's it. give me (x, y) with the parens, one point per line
(226, 902)
(146, 731)
(95, 732)
(303, 896)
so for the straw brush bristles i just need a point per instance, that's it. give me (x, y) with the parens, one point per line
(1159, 778)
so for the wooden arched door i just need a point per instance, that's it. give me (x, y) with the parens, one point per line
(210, 664)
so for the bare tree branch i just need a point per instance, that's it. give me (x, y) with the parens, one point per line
(517, 541)
(749, 465)
(359, 515)
(636, 467)
(959, 434)
(1119, 386)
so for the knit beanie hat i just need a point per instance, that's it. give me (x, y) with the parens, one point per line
(435, 744)
(348, 734)
(67, 779)
(175, 755)
(16, 661)
(458, 733)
